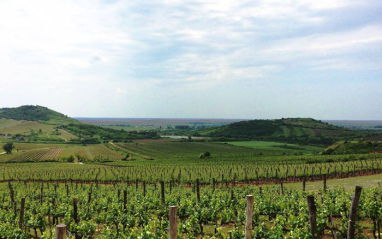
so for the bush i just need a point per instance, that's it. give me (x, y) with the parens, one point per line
(70, 159)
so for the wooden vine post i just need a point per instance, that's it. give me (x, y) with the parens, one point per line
(249, 213)
(325, 183)
(124, 200)
(60, 231)
(144, 189)
(75, 215)
(21, 220)
(75, 211)
(173, 233)
(312, 216)
(89, 197)
(303, 184)
(353, 212)
(197, 190)
(162, 193)
(282, 187)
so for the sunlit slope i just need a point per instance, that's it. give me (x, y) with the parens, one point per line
(38, 114)
(34, 123)
(290, 130)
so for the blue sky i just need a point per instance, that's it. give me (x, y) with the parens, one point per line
(194, 59)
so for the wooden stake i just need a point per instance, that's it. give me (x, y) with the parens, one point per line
(197, 190)
(21, 220)
(144, 189)
(124, 199)
(173, 233)
(312, 215)
(303, 184)
(282, 188)
(162, 193)
(61, 231)
(353, 212)
(249, 213)
(75, 212)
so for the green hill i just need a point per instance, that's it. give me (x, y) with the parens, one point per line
(40, 124)
(289, 130)
(355, 147)
(36, 113)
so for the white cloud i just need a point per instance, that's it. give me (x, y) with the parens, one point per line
(320, 51)
(132, 49)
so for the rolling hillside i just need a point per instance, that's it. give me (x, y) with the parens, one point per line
(34, 123)
(40, 124)
(355, 147)
(38, 114)
(289, 130)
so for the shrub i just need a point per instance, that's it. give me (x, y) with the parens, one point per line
(70, 159)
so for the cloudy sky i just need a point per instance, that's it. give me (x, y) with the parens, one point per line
(256, 59)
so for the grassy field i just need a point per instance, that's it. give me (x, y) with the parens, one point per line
(27, 129)
(9, 126)
(279, 147)
(27, 151)
(152, 160)
(347, 183)
(179, 165)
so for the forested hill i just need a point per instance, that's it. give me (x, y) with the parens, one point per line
(36, 113)
(289, 130)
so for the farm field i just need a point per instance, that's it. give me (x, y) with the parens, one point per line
(9, 126)
(153, 160)
(283, 147)
(102, 174)
(124, 210)
(29, 152)
(368, 181)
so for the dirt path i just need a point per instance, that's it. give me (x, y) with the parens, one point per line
(62, 138)
(142, 156)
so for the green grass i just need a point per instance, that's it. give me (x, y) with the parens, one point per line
(348, 183)
(163, 151)
(273, 146)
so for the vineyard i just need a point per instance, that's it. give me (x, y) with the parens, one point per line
(140, 210)
(124, 190)
(24, 152)
(38, 155)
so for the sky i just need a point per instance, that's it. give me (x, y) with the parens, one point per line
(262, 59)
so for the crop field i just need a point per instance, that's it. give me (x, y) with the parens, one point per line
(118, 188)
(131, 210)
(22, 127)
(37, 155)
(284, 148)
(29, 152)
(184, 151)
(65, 135)
(178, 150)
(370, 181)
